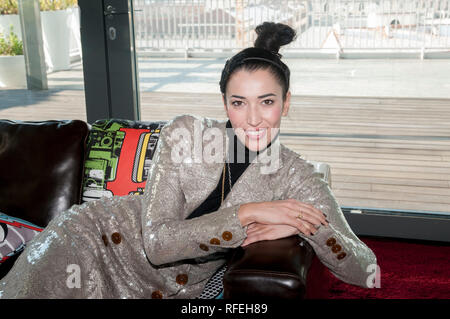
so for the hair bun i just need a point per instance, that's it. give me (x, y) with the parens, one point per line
(271, 36)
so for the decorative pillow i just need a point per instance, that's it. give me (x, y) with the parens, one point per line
(119, 154)
(15, 234)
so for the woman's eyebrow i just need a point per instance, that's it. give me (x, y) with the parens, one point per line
(266, 95)
(259, 97)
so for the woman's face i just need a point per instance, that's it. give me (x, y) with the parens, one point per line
(254, 104)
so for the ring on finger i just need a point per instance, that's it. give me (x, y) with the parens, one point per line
(300, 216)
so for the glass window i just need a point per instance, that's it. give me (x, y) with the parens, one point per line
(62, 56)
(369, 98)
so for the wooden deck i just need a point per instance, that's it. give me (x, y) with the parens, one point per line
(384, 153)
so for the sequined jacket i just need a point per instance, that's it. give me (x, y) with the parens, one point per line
(144, 247)
(176, 190)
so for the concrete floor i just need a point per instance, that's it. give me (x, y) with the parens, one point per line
(415, 78)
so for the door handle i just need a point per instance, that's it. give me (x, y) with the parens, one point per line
(112, 33)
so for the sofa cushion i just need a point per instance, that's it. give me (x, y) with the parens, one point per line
(119, 153)
(41, 168)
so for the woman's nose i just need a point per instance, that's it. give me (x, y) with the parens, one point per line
(253, 116)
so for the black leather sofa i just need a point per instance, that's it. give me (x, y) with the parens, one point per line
(41, 176)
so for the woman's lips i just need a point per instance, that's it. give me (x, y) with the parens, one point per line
(256, 134)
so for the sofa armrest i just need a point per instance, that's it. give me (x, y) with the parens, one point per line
(275, 268)
(269, 269)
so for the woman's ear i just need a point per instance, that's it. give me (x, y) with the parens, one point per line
(286, 103)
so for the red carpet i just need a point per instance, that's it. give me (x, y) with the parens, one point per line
(409, 270)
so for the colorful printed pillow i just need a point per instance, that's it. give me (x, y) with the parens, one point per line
(119, 154)
(15, 234)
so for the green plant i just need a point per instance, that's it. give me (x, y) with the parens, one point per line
(11, 44)
(11, 6)
(8, 7)
(50, 5)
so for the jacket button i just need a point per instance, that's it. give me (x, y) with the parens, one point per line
(204, 247)
(331, 241)
(336, 248)
(341, 255)
(214, 241)
(182, 279)
(227, 235)
(116, 238)
(157, 295)
(105, 240)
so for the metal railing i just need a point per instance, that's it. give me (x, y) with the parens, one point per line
(320, 24)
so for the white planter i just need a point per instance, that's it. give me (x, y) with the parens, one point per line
(75, 38)
(7, 20)
(60, 34)
(56, 35)
(12, 72)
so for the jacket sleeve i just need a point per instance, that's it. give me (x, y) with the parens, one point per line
(336, 246)
(168, 237)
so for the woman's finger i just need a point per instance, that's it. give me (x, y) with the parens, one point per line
(269, 232)
(305, 227)
(313, 219)
(305, 216)
(285, 212)
(308, 212)
(292, 218)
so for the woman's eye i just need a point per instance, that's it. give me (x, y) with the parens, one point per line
(268, 102)
(236, 103)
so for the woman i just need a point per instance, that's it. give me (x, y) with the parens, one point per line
(213, 185)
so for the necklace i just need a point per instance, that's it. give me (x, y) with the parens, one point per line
(223, 179)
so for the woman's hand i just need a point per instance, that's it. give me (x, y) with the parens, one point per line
(258, 232)
(289, 212)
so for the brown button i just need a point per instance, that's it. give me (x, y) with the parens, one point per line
(214, 241)
(204, 247)
(157, 295)
(336, 248)
(105, 240)
(182, 279)
(341, 255)
(116, 238)
(227, 235)
(331, 241)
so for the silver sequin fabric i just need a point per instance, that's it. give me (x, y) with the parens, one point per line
(144, 247)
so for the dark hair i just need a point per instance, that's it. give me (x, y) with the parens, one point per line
(264, 55)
